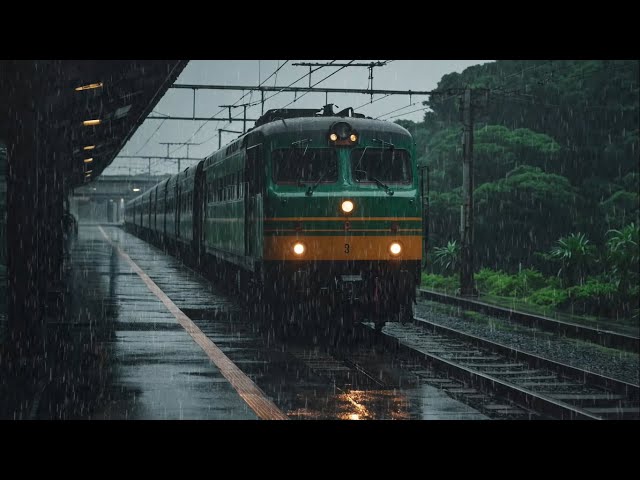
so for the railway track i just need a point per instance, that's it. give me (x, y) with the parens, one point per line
(602, 337)
(363, 378)
(497, 380)
(552, 389)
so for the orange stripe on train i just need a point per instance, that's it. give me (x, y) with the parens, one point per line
(340, 219)
(335, 247)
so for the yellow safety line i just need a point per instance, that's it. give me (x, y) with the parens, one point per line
(249, 391)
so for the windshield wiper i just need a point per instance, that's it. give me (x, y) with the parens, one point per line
(384, 144)
(296, 144)
(326, 172)
(382, 185)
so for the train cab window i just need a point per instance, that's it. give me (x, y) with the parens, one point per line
(385, 165)
(300, 165)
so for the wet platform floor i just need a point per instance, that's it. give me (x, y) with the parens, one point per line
(121, 354)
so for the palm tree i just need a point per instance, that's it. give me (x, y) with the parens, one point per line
(448, 257)
(575, 255)
(623, 256)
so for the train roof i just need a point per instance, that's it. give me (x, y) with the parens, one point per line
(323, 123)
(282, 120)
(286, 120)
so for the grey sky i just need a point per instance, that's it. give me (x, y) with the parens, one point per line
(398, 75)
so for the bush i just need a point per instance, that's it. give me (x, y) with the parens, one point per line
(505, 285)
(530, 280)
(550, 296)
(593, 297)
(440, 282)
(494, 282)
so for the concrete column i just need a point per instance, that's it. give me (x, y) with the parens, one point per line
(24, 215)
(35, 193)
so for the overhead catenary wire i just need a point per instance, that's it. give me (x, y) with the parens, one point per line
(150, 137)
(372, 101)
(407, 113)
(256, 103)
(397, 110)
(280, 91)
(223, 109)
(319, 81)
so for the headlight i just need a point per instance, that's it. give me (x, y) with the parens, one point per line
(395, 249)
(343, 134)
(298, 248)
(347, 206)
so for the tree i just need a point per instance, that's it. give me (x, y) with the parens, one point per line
(590, 107)
(448, 257)
(623, 257)
(575, 255)
(516, 215)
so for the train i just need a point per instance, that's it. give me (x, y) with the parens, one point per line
(310, 206)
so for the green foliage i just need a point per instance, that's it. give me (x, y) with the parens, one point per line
(518, 213)
(557, 157)
(594, 297)
(574, 119)
(550, 296)
(620, 207)
(588, 106)
(575, 254)
(448, 257)
(499, 283)
(623, 256)
(444, 213)
(440, 282)
(497, 150)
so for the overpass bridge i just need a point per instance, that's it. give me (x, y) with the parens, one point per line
(103, 200)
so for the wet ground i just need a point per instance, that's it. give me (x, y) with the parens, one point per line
(120, 353)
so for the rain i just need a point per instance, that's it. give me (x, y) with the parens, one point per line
(319, 240)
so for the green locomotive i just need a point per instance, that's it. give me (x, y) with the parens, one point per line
(308, 206)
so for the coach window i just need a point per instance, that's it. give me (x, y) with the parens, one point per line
(255, 170)
(234, 186)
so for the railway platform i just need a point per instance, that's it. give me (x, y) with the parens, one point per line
(145, 337)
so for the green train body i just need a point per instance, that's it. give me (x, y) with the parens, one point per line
(268, 212)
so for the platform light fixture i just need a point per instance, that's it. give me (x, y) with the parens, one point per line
(88, 160)
(89, 147)
(88, 123)
(90, 86)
